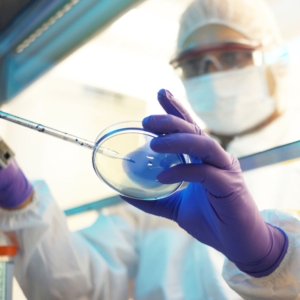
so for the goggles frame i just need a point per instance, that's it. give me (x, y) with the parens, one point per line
(240, 44)
(234, 45)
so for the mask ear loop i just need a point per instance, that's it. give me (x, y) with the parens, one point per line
(278, 61)
(258, 58)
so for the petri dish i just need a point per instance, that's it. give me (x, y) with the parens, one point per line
(135, 179)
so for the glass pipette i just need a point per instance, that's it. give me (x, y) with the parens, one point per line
(62, 135)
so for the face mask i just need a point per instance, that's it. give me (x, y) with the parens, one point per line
(231, 102)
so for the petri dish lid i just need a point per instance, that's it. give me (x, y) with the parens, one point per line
(135, 179)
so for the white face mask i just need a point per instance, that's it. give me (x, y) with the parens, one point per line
(231, 102)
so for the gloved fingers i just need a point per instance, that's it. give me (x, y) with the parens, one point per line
(173, 106)
(202, 147)
(7, 174)
(167, 207)
(14, 186)
(165, 124)
(217, 182)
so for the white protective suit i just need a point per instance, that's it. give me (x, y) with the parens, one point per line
(98, 262)
(124, 243)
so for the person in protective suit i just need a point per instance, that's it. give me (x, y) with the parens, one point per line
(171, 248)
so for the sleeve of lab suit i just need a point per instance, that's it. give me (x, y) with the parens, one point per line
(54, 263)
(284, 282)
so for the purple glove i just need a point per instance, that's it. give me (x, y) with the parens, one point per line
(14, 187)
(216, 208)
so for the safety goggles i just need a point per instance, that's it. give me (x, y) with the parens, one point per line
(216, 57)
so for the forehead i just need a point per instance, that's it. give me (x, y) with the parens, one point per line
(210, 34)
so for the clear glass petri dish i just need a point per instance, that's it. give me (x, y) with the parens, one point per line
(137, 178)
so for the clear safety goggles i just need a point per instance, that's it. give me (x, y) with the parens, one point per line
(217, 57)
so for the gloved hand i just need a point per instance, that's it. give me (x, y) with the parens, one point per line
(14, 186)
(216, 208)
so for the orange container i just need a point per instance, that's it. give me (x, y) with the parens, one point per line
(7, 253)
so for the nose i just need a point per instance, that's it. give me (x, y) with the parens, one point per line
(209, 67)
(211, 64)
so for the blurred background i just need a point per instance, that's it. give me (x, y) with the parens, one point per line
(81, 66)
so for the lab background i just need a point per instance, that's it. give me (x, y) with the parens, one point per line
(111, 76)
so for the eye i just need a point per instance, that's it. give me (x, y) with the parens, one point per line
(229, 59)
(235, 59)
(190, 67)
(192, 63)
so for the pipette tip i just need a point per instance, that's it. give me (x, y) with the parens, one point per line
(129, 159)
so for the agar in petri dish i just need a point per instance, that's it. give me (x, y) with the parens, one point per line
(136, 178)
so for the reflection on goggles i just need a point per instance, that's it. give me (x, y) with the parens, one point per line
(200, 61)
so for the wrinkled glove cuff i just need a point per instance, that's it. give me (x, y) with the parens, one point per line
(275, 256)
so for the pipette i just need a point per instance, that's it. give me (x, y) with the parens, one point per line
(62, 135)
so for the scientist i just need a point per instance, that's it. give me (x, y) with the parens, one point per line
(215, 218)
(234, 71)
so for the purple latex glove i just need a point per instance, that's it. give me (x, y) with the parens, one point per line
(14, 186)
(216, 208)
